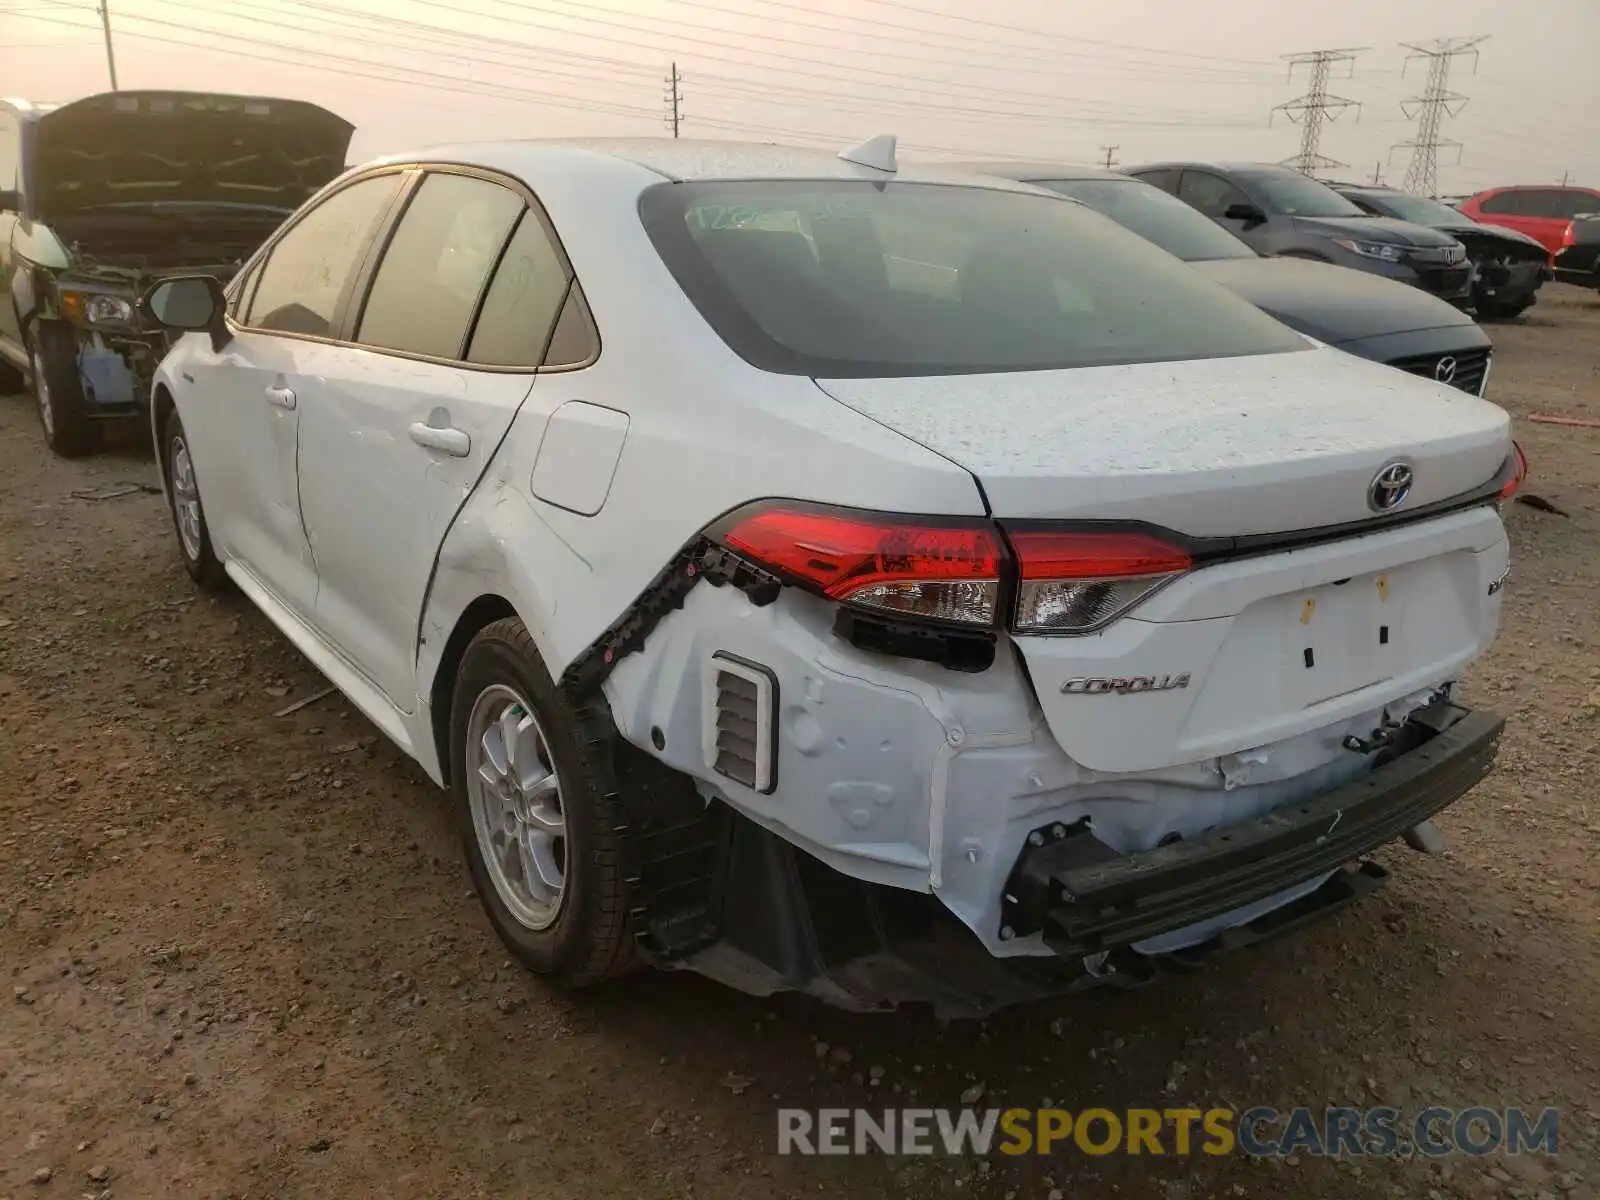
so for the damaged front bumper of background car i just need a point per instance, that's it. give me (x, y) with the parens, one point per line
(118, 348)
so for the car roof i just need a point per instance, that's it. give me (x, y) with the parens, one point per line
(1231, 168)
(1025, 171)
(1536, 187)
(688, 160)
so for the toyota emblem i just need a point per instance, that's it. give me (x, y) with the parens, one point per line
(1389, 487)
(1445, 369)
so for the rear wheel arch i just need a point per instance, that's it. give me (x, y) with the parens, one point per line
(482, 612)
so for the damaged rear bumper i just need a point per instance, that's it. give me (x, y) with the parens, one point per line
(1087, 899)
(780, 920)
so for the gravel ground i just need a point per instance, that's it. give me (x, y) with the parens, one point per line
(244, 960)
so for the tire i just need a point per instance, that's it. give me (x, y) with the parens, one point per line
(58, 393)
(189, 524)
(582, 934)
(1501, 310)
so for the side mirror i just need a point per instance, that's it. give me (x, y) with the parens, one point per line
(1246, 212)
(11, 201)
(189, 303)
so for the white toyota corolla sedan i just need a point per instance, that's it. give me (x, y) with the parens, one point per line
(839, 576)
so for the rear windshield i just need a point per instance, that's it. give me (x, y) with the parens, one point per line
(843, 279)
(1156, 216)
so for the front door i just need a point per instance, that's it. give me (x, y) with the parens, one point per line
(244, 423)
(400, 427)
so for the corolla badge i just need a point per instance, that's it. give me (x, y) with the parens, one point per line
(1389, 487)
(1103, 686)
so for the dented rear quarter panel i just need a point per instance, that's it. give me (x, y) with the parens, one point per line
(706, 432)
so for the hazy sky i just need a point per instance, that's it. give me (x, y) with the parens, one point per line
(1010, 78)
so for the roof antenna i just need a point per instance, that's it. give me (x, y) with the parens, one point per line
(875, 152)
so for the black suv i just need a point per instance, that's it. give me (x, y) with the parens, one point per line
(1282, 212)
(102, 197)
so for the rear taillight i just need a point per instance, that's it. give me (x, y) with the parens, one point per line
(931, 569)
(1077, 582)
(1569, 235)
(955, 571)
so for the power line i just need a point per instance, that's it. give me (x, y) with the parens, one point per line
(1034, 32)
(674, 99)
(409, 77)
(966, 44)
(744, 87)
(1430, 109)
(1311, 110)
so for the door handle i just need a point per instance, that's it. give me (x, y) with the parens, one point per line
(281, 396)
(447, 438)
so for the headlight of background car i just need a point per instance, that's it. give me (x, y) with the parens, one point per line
(1379, 250)
(90, 308)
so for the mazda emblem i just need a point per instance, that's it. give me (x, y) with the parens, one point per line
(1389, 487)
(1445, 369)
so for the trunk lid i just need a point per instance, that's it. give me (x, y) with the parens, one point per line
(1211, 448)
(151, 147)
(1231, 660)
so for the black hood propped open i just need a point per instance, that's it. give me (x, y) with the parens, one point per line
(186, 147)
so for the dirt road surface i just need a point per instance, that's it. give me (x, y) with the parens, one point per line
(242, 958)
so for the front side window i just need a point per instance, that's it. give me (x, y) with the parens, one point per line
(1510, 203)
(1155, 216)
(1295, 195)
(310, 266)
(434, 270)
(239, 291)
(848, 279)
(1211, 194)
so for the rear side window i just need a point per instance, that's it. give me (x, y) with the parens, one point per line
(309, 268)
(523, 301)
(1575, 203)
(849, 279)
(436, 266)
(1165, 178)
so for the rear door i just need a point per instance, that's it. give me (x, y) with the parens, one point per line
(406, 415)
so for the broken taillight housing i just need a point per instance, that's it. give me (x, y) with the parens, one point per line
(1079, 581)
(931, 569)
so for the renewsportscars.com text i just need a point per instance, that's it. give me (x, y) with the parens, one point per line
(1261, 1131)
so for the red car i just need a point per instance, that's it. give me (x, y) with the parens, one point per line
(1540, 212)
